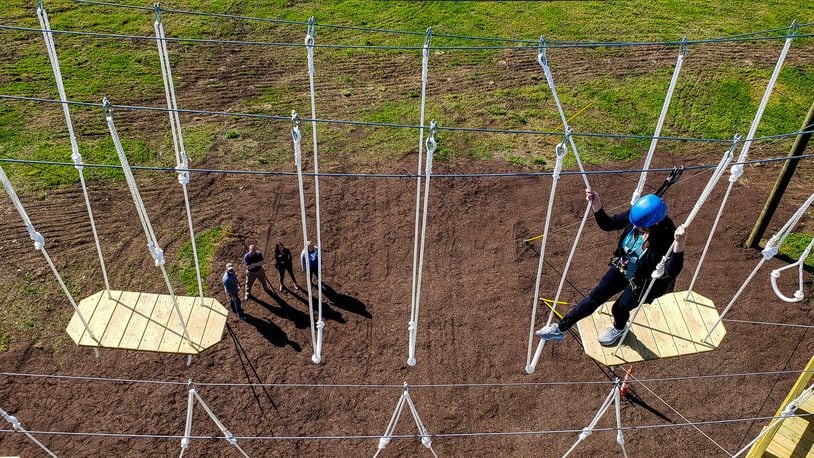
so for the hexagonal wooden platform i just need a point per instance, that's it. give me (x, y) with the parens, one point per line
(673, 325)
(148, 322)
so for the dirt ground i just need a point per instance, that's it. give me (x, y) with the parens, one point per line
(478, 286)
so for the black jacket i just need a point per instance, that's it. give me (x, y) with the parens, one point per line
(659, 239)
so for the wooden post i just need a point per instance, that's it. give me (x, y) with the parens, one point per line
(782, 182)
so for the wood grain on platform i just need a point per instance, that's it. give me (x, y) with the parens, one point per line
(148, 322)
(673, 325)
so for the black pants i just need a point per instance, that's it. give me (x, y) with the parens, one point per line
(611, 283)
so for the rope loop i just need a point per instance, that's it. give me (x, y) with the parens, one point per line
(107, 108)
(541, 56)
(432, 144)
(157, 10)
(427, 41)
(793, 29)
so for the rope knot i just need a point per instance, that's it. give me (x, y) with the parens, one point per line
(158, 254)
(39, 240)
(735, 172)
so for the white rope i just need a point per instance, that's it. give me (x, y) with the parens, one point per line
(613, 398)
(737, 169)
(309, 45)
(682, 52)
(181, 159)
(39, 244)
(423, 434)
(561, 151)
(425, 65)
(412, 326)
(191, 398)
(679, 414)
(543, 61)
(658, 272)
(768, 252)
(48, 37)
(296, 134)
(152, 242)
(788, 412)
(15, 423)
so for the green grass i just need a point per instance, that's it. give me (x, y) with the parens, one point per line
(182, 269)
(795, 244)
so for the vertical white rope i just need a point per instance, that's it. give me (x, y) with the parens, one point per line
(561, 151)
(181, 158)
(620, 437)
(188, 424)
(658, 272)
(15, 423)
(425, 60)
(152, 241)
(588, 430)
(413, 324)
(768, 252)
(682, 52)
(309, 45)
(39, 244)
(737, 169)
(50, 46)
(296, 134)
(543, 61)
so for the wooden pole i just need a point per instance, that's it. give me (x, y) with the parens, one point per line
(782, 182)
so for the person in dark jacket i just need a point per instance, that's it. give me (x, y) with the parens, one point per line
(647, 233)
(232, 288)
(253, 261)
(283, 262)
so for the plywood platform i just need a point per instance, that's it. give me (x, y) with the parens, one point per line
(673, 325)
(148, 322)
(794, 436)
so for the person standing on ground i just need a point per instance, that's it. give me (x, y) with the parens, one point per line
(646, 238)
(232, 287)
(253, 260)
(311, 254)
(283, 262)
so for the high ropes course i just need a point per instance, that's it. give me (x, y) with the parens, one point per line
(679, 323)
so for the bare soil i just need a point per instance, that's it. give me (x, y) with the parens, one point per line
(475, 309)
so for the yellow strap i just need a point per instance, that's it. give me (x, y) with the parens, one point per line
(550, 304)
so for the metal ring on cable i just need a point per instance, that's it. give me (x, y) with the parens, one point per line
(431, 143)
(541, 48)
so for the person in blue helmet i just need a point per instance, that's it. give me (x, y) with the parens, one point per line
(647, 233)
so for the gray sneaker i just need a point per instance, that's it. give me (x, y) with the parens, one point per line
(610, 337)
(550, 332)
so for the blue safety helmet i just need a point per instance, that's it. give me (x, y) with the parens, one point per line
(648, 211)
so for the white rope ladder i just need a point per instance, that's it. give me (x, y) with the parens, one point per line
(48, 37)
(152, 242)
(737, 169)
(415, 289)
(543, 61)
(181, 159)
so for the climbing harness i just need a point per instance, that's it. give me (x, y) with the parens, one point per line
(658, 272)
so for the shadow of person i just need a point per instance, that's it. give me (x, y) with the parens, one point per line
(285, 311)
(328, 313)
(272, 332)
(345, 302)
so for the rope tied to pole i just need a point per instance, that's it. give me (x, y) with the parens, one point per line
(15, 423)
